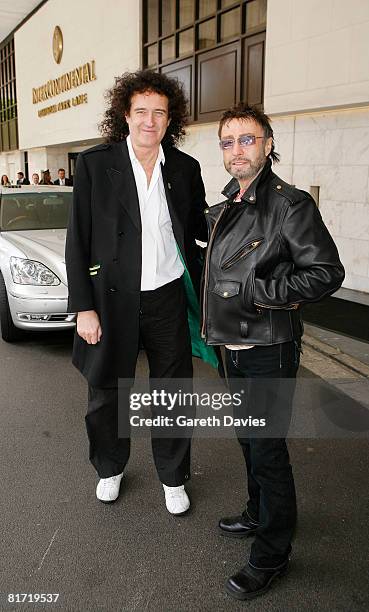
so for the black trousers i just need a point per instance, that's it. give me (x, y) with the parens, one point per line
(270, 483)
(165, 336)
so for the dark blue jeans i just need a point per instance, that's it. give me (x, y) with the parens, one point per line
(262, 372)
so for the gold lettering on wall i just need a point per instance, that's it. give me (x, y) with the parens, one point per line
(70, 80)
(81, 99)
(64, 105)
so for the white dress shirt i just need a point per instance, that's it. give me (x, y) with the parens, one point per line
(161, 263)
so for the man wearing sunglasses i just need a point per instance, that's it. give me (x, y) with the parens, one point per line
(268, 253)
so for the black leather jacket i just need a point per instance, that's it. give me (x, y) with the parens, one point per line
(266, 256)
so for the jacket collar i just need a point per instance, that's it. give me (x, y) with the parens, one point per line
(124, 184)
(232, 188)
(123, 181)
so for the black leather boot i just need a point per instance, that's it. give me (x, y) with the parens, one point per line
(250, 582)
(240, 526)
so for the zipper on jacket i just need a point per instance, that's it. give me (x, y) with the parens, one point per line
(206, 273)
(287, 307)
(241, 253)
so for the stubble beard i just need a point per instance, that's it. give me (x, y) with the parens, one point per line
(248, 173)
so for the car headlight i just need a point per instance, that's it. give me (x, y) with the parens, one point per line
(28, 272)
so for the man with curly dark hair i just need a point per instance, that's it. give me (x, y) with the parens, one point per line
(115, 126)
(137, 210)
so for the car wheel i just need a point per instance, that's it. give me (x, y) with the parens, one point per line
(9, 332)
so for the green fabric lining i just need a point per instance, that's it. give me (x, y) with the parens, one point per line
(199, 348)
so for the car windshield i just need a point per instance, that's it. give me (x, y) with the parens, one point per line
(34, 211)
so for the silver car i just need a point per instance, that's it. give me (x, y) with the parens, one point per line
(33, 281)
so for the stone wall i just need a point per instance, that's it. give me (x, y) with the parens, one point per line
(325, 150)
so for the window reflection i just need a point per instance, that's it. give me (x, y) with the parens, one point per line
(168, 51)
(207, 7)
(186, 12)
(152, 55)
(152, 20)
(207, 34)
(256, 14)
(230, 25)
(168, 22)
(186, 42)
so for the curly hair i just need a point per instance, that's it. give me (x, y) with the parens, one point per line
(114, 126)
(243, 111)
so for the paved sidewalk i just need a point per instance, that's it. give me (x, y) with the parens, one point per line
(344, 345)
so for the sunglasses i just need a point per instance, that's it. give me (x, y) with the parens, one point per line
(244, 141)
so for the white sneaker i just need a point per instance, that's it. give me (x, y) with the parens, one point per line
(107, 489)
(176, 499)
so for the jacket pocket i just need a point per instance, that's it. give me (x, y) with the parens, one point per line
(245, 250)
(227, 288)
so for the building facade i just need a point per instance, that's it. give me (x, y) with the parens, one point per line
(304, 62)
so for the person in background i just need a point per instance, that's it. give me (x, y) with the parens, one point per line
(5, 181)
(62, 180)
(35, 179)
(22, 180)
(46, 178)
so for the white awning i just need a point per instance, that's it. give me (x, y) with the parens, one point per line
(12, 13)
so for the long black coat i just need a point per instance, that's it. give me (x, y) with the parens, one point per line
(103, 250)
